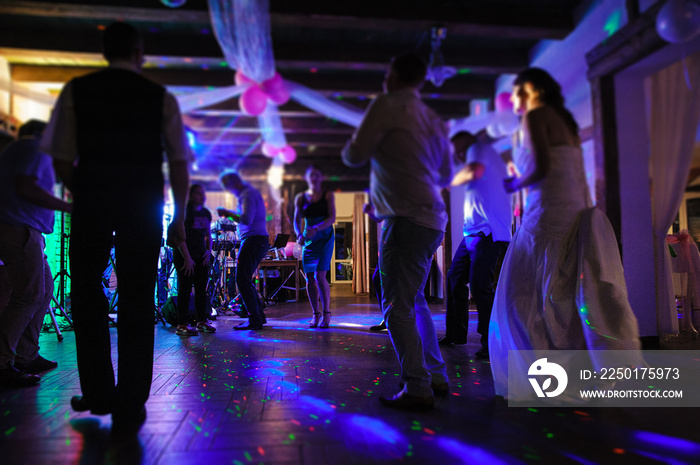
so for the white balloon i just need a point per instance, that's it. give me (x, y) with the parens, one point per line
(678, 21)
(297, 251)
(507, 122)
(493, 131)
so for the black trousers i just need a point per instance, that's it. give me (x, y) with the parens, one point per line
(474, 264)
(133, 222)
(198, 279)
(251, 253)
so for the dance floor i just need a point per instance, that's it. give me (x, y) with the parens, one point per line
(293, 395)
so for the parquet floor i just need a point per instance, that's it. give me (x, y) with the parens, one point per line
(293, 395)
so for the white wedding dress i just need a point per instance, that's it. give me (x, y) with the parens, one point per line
(562, 284)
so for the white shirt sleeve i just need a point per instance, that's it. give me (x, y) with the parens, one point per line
(176, 146)
(59, 138)
(368, 135)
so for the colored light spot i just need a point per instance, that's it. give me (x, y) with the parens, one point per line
(613, 23)
(464, 71)
(101, 27)
(10, 431)
(313, 70)
(619, 451)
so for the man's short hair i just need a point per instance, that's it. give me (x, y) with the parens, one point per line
(32, 128)
(120, 41)
(409, 68)
(229, 174)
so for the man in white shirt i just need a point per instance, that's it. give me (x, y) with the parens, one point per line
(409, 152)
(487, 220)
(107, 136)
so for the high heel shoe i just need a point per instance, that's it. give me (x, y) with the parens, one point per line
(326, 322)
(316, 319)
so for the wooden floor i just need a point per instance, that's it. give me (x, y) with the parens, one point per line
(291, 395)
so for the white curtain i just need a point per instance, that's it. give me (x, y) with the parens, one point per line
(360, 252)
(675, 114)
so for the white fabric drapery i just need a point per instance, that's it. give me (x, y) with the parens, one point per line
(675, 114)
(360, 251)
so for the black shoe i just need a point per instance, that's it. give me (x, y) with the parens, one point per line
(482, 353)
(13, 378)
(79, 404)
(380, 327)
(37, 365)
(448, 340)
(405, 401)
(247, 326)
(439, 389)
(128, 424)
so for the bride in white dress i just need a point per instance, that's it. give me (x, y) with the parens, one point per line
(562, 284)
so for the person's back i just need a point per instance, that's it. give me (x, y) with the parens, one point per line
(408, 150)
(405, 179)
(119, 113)
(107, 135)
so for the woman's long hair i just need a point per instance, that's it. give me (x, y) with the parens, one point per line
(189, 208)
(550, 93)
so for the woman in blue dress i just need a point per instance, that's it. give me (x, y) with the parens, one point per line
(317, 209)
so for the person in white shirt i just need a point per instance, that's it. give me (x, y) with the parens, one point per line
(487, 220)
(410, 154)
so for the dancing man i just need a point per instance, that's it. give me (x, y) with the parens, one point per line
(410, 155)
(255, 242)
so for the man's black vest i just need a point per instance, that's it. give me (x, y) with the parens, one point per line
(119, 118)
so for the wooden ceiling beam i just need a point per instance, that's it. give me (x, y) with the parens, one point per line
(477, 20)
(461, 87)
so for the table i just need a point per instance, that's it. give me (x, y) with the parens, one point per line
(295, 264)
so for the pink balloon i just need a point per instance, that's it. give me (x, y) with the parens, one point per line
(279, 97)
(288, 154)
(276, 89)
(253, 101)
(270, 150)
(503, 103)
(241, 79)
(289, 249)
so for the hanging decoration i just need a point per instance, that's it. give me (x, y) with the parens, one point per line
(438, 71)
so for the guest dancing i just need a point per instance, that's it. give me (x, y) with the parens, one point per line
(317, 208)
(407, 147)
(252, 230)
(561, 284)
(192, 264)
